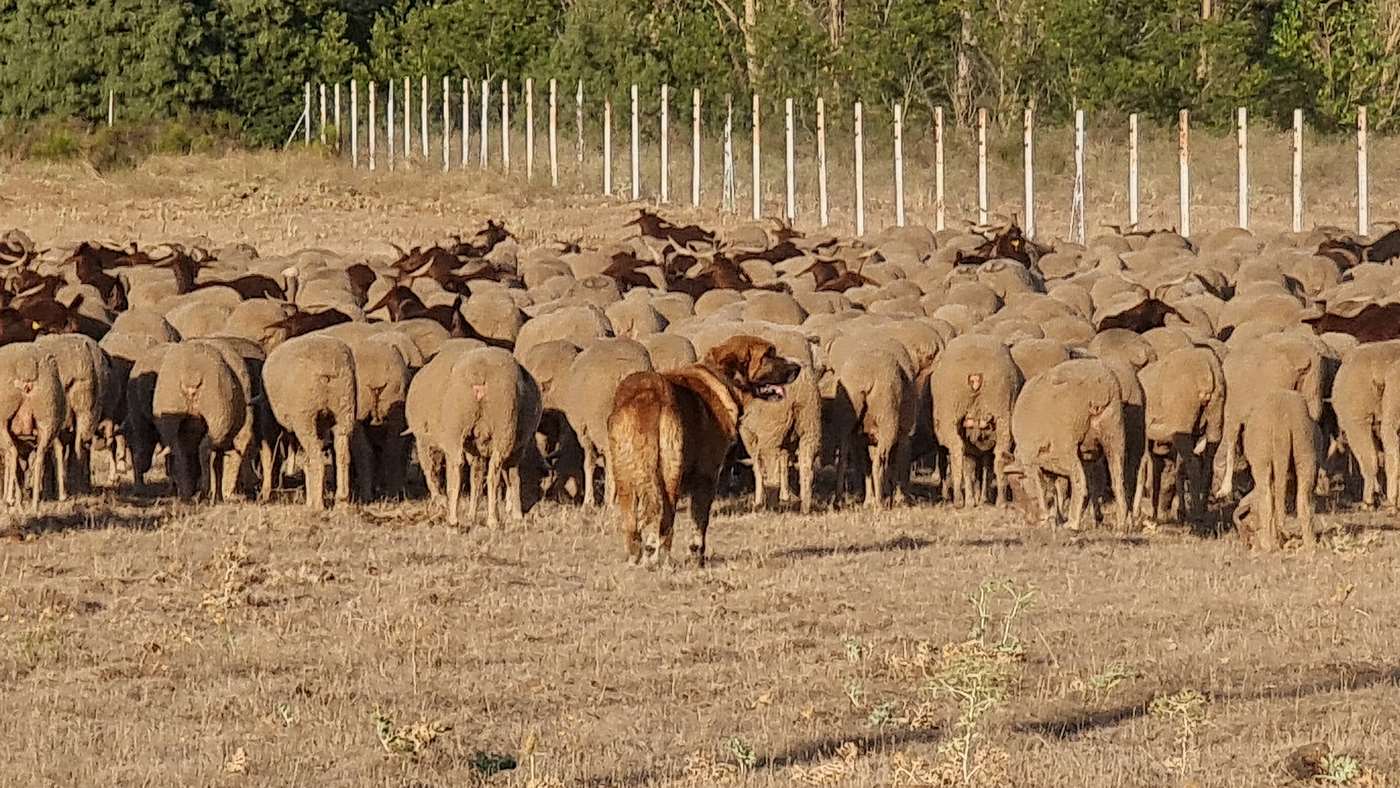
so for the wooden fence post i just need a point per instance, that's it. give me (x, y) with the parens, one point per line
(339, 135)
(607, 145)
(407, 120)
(447, 124)
(505, 126)
(1028, 156)
(860, 171)
(1133, 170)
(529, 128)
(354, 124)
(729, 198)
(757, 161)
(321, 132)
(1363, 208)
(898, 165)
(466, 121)
(636, 147)
(111, 107)
(822, 208)
(982, 165)
(554, 132)
(789, 151)
(485, 124)
(1078, 208)
(1297, 170)
(665, 179)
(695, 148)
(1242, 153)
(389, 126)
(578, 127)
(423, 113)
(1183, 145)
(371, 124)
(306, 114)
(939, 203)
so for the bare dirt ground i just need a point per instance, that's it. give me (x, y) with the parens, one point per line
(144, 642)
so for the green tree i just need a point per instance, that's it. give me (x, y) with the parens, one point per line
(261, 54)
(1332, 57)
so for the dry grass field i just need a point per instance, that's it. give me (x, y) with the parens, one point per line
(146, 642)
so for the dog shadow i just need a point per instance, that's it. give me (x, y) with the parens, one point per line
(904, 543)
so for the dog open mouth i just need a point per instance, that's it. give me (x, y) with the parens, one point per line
(771, 391)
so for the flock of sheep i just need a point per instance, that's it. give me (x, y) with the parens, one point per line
(1142, 369)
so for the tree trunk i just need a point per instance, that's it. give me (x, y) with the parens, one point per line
(836, 24)
(750, 49)
(962, 86)
(1202, 64)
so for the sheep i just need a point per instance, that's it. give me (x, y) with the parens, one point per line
(32, 409)
(138, 419)
(877, 387)
(258, 319)
(495, 317)
(1064, 415)
(86, 376)
(311, 385)
(200, 405)
(975, 384)
(592, 380)
(669, 352)
(246, 358)
(1280, 438)
(548, 363)
(422, 410)
(577, 324)
(490, 410)
(379, 450)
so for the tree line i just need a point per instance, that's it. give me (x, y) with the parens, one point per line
(239, 65)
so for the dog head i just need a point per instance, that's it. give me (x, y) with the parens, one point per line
(753, 367)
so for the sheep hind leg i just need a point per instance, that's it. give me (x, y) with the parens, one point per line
(42, 446)
(493, 488)
(60, 469)
(784, 466)
(590, 459)
(517, 507)
(340, 440)
(12, 475)
(900, 470)
(957, 461)
(1079, 493)
(879, 469)
(362, 462)
(454, 460)
(806, 470)
(1305, 469)
(478, 485)
(219, 462)
(760, 488)
(1267, 529)
(313, 464)
(265, 459)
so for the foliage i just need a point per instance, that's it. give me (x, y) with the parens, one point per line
(1338, 56)
(249, 59)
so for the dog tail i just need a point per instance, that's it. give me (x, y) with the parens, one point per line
(637, 434)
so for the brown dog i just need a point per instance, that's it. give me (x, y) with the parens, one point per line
(670, 433)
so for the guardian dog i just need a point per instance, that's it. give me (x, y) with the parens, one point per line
(670, 433)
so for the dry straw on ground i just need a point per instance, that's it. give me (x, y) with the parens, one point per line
(146, 642)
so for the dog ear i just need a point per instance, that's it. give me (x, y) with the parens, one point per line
(732, 358)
